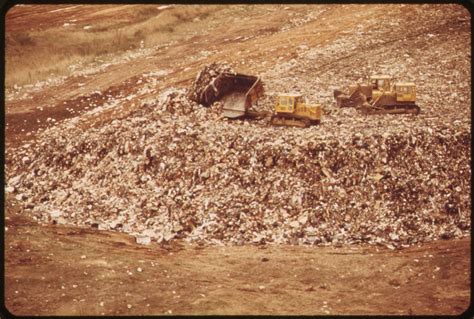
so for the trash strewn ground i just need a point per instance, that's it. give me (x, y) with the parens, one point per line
(173, 169)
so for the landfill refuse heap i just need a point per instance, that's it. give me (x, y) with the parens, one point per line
(206, 77)
(176, 170)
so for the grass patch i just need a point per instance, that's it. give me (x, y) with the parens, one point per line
(36, 56)
(20, 39)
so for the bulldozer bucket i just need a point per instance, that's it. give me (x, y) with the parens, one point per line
(238, 92)
(357, 96)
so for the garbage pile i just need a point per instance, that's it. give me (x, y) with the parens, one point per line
(206, 77)
(176, 170)
(407, 56)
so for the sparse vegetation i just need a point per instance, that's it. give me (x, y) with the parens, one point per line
(36, 55)
(204, 15)
(23, 39)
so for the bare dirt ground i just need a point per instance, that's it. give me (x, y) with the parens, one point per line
(58, 270)
(63, 270)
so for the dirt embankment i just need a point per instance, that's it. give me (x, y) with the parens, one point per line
(97, 273)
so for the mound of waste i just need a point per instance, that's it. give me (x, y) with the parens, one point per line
(205, 78)
(177, 170)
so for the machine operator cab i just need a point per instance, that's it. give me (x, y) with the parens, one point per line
(380, 82)
(286, 102)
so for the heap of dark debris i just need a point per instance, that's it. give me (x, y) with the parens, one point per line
(177, 170)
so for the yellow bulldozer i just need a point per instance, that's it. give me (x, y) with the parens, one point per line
(292, 110)
(239, 93)
(379, 96)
